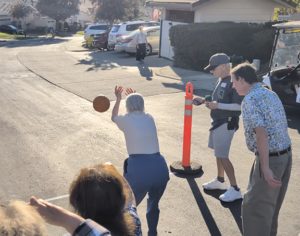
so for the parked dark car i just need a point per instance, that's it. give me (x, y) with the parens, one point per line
(100, 41)
(10, 29)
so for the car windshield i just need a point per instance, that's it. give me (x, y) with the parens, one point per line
(11, 26)
(115, 28)
(287, 51)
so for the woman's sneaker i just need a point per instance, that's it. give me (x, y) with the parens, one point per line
(231, 195)
(215, 184)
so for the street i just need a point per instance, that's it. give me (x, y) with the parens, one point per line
(49, 131)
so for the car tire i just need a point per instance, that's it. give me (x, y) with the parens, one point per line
(148, 49)
(14, 33)
(110, 48)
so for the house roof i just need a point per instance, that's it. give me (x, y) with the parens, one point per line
(287, 3)
(195, 3)
(183, 4)
(5, 5)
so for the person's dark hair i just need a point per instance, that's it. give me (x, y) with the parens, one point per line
(246, 71)
(99, 193)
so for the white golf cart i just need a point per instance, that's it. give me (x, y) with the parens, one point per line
(284, 75)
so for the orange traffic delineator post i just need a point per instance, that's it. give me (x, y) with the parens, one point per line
(186, 166)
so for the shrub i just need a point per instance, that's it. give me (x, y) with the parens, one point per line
(89, 42)
(195, 43)
(262, 44)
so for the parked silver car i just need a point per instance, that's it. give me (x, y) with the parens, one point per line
(128, 43)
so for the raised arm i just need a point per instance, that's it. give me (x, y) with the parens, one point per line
(115, 111)
(58, 216)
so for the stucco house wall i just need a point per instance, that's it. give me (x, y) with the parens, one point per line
(257, 11)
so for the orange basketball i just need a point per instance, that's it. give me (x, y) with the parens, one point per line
(101, 103)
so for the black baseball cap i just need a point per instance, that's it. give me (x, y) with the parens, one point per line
(216, 60)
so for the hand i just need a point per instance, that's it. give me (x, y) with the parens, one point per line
(137, 46)
(56, 215)
(51, 214)
(118, 92)
(271, 178)
(200, 100)
(129, 91)
(211, 105)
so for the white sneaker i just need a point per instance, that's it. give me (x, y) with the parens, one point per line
(231, 195)
(215, 184)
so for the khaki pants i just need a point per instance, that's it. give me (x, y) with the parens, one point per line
(262, 203)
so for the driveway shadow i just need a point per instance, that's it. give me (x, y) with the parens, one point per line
(206, 214)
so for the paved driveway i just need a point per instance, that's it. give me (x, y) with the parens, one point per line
(49, 130)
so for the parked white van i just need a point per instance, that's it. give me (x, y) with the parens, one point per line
(126, 28)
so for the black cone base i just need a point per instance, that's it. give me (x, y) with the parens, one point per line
(193, 169)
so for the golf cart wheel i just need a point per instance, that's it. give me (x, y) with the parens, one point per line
(148, 49)
(110, 48)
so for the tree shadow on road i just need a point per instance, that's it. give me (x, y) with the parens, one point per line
(106, 60)
(33, 42)
(207, 216)
(97, 65)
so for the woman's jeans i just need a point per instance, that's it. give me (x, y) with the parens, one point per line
(141, 52)
(147, 173)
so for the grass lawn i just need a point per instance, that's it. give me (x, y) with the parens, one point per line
(80, 32)
(20, 37)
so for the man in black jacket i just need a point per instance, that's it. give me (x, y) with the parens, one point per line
(225, 111)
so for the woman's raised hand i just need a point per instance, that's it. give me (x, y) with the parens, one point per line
(129, 91)
(118, 92)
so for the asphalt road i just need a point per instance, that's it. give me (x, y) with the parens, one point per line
(49, 131)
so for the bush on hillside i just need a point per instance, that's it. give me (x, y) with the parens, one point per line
(262, 44)
(89, 42)
(195, 43)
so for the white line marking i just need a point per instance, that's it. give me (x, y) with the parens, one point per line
(56, 198)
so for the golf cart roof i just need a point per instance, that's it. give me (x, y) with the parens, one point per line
(292, 24)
